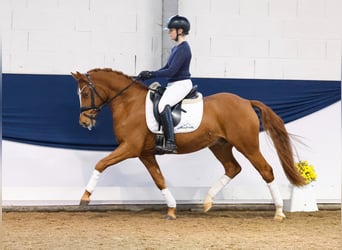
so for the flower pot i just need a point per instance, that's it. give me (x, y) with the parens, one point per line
(303, 199)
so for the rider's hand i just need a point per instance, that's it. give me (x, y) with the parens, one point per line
(144, 75)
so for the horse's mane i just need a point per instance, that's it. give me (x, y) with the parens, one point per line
(116, 72)
(108, 70)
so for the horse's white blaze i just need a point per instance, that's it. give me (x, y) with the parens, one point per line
(80, 94)
(170, 201)
(217, 187)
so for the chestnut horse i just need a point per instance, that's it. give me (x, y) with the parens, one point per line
(228, 121)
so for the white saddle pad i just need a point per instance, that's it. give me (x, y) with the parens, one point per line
(190, 120)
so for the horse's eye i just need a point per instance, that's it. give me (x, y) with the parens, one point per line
(84, 95)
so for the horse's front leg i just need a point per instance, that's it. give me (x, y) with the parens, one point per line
(120, 154)
(158, 178)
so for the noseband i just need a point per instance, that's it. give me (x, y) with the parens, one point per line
(94, 93)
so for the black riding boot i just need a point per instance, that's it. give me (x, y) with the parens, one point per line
(167, 124)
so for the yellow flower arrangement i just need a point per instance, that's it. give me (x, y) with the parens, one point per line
(306, 170)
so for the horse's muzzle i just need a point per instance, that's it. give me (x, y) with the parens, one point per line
(88, 120)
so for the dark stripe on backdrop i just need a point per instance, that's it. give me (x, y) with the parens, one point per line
(44, 109)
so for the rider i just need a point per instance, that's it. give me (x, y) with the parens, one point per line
(178, 74)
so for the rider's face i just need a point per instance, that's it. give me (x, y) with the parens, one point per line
(172, 34)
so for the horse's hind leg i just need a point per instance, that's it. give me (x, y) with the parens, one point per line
(266, 172)
(158, 178)
(223, 152)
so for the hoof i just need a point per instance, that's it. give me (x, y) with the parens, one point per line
(207, 206)
(171, 213)
(279, 215)
(279, 218)
(170, 217)
(84, 203)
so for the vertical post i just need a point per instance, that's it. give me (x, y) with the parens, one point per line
(170, 8)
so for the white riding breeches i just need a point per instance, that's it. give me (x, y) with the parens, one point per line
(174, 93)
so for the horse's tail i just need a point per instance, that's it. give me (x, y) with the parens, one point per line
(274, 127)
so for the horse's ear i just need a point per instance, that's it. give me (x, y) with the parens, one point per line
(74, 76)
(77, 76)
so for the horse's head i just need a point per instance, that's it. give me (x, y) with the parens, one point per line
(97, 88)
(91, 102)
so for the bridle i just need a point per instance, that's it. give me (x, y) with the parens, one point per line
(93, 93)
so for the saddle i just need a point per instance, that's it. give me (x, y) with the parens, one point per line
(176, 110)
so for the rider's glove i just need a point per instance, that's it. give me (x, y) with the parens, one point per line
(144, 75)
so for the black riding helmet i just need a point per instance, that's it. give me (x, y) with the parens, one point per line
(179, 22)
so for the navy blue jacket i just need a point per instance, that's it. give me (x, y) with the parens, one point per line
(178, 64)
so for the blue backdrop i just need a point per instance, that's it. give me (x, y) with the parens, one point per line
(44, 109)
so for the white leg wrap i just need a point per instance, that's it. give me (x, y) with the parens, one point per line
(275, 193)
(170, 201)
(217, 187)
(93, 181)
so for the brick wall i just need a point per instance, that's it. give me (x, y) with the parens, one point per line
(281, 39)
(59, 36)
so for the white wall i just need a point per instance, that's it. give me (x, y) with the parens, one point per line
(286, 39)
(34, 175)
(281, 39)
(59, 36)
